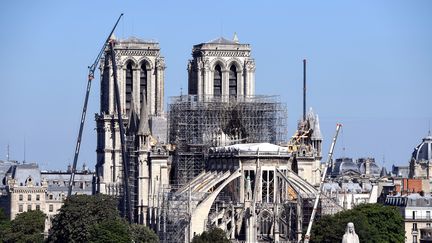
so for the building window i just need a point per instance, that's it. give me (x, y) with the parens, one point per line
(413, 214)
(38, 207)
(233, 81)
(37, 197)
(414, 227)
(29, 207)
(414, 238)
(21, 197)
(428, 225)
(129, 86)
(29, 197)
(428, 216)
(51, 208)
(217, 81)
(50, 197)
(20, 208)
(143, 82)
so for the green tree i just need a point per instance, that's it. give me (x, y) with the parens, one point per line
(5, 224)
(214, 235)
(110, 231)
(79, 214)
(373, 223)
(26, 227)
(141, 233)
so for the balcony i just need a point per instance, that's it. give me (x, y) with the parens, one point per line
(410, 218)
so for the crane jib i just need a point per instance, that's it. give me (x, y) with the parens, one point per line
(84, 112)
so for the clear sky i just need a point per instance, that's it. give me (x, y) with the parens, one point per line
(369, 66)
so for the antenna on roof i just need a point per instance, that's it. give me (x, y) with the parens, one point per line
(24, 150)
(8, 155)
(304, 89)
(429, 133)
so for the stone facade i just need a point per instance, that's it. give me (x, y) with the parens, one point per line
(222, 68)
(421, 160)
(140, 74)
(416, 211)
(28, 188)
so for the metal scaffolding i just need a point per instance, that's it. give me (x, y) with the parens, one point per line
(199, 122)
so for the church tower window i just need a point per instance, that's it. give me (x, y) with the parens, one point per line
(143, 82)
(233, 81)
(217, 81)
(129, 86)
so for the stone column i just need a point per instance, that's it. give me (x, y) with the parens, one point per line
(160, 67)
(136, 89)
(225, 85)
(199, 83)
(111, 101)
(151, 79)
(240, 84)
(250, 77)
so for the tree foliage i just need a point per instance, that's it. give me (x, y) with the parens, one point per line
(141, 233)
(211, 236)
(26, 227)
(96, 218)
(4, 224)
(79, 214)
(110, 231)
(373, 223)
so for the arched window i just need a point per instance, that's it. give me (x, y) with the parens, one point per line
(143, 82)
(217, 81)
(129, 86)
(233, 81)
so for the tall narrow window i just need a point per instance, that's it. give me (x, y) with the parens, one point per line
(217, 81)
(129, 86)
(233, 81)
(143, 82)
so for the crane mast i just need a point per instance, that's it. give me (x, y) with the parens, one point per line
(92, 69)
(329, 159)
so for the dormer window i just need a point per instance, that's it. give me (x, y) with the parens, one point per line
(29, 181)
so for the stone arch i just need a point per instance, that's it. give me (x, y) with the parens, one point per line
(147, 61)
(235, 61)
(221, 63)
(265, 222)
(200, 214)
(130, 60)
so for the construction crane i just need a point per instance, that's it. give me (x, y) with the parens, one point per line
(125, 161)
(92, 69)
(329, 159)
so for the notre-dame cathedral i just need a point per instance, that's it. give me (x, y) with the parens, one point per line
(221, 143)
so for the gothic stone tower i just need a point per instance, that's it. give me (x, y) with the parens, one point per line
(140, 71)
(222, 68)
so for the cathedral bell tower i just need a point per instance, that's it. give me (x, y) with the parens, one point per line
(140, 70)
(223, 69)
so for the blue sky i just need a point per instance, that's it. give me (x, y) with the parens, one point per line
(369, 66)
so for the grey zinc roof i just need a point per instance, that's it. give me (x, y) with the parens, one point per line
(23, 171)
(424, 150)
(221, 40)
(5, 166)
(134, 39)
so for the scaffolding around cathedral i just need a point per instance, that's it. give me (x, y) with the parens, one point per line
(200, 122)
